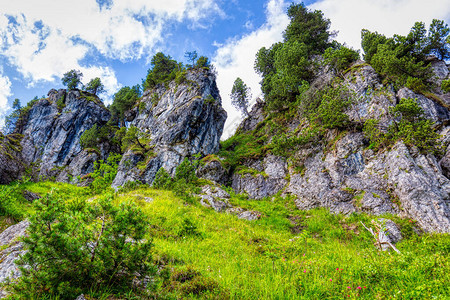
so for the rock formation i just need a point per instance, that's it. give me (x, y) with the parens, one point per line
(51, 133)
(183, 120)
(349, 177)
(11, 165)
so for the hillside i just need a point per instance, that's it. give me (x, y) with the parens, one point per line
(141, 199)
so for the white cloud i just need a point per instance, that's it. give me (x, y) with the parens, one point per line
(388, 17)
(108, 78)
(45, 40)
(236, 59)
(5, 92)
(123, 30)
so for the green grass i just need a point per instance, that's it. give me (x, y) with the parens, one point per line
(287, 254)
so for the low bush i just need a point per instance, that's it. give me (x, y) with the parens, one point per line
(76, 247)
(409, 125)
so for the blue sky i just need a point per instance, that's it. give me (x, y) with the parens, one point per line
(115, 39)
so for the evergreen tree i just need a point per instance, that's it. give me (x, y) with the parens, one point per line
(11, 119)
(72, 79)
(95, 86)
(240, 96)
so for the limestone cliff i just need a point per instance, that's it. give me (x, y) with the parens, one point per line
(51, 131)
(183, 119)
(342, 173)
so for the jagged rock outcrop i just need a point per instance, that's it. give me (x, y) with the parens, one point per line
(183, 120)
(11, 165)
(372, 99)
(255, 117)
(342, 173)
(52, 129)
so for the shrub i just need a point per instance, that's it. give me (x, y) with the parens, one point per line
(104, 173)
(445, 86)
(162, 180)
(76, 247)
(413, 128)
(416, 84)
(340, 57)
(330, 112)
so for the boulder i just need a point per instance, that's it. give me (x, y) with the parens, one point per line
(213, 170)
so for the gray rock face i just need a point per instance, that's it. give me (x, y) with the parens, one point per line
(352, 178)
(395, 182)
(183, 120)
(433, 111)
(214, 171)
(13, 249)
(260, 185)
(372, 99)
(255, 116)
(11, 165)
(52, 133)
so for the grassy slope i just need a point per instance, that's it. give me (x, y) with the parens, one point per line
(316, 255)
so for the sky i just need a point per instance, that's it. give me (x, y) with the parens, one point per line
(116, 39)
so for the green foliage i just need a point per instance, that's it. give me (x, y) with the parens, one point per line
(180, 77)
(340, 57)
(392, 64)
(185, 181)
(136, 140)
(162, 180)
(104, 173)
(240, 96)
(241, 147)
(188, 229)
(445, 86)
(154, 99)
(416, 84)
(76, 247)
(401, 59)
(12, 118)
(309, 28)
(186, 172)
(72, 79)
(60, 103)
(191, 56)
(95, 86)
(123, 100)
(286, 66)
(437, 36)
(286, 144)
(330, 112)
(413, 128)
(164, 69)
(93, 136)
(203, 62)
